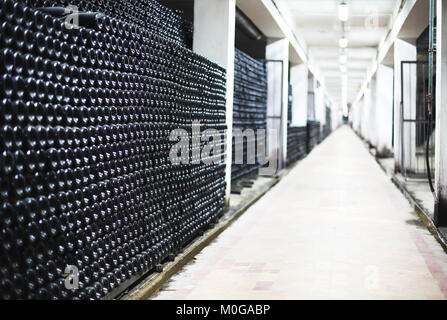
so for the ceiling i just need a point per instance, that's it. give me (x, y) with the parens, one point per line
(317, 22)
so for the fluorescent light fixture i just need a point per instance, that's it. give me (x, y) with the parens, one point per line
(344, 79)
(343, 11)
(343, 42)
(343, 68)
(343, 59)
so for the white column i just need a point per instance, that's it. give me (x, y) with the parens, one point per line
(369, 126)
(336, 116)
(214, 33)
(372, 110)
(299, 81)
(441, 116)
(354, 115)
(278, 92)
(366, 115)
(403, 51)
(384, 113)
(358, 112)
(337, 113)
(320, 108)
(311, 84)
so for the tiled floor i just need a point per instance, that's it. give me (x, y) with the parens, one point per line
(334, 228)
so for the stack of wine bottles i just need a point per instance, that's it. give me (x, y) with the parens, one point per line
(86, 178)
(296, 143)
(249, 108)
(313, 134)
(148, 14)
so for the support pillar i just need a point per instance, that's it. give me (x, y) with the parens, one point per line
(299, 81)
(214, 36)
(372, 110)
(278, 95)
(359, 114)
(311, 84)
(336, 116)
(404, 51)
(320, 107)
(441, 116)
(366, 114)
(384, 112)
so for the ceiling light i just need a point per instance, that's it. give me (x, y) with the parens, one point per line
(343, 11)
(343, 42)
(343, 59)
(342, 68)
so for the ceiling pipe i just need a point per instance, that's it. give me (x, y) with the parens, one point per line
(244, 24)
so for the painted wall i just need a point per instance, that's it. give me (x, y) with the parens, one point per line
(364, 114)
(441, 116)
(384, 113)
(403, 51)
(336, 116)
(371, 111)
(320, 107)
(277, 92)
(311, 85)
(214, 29)
(299, 81)
(356, 116)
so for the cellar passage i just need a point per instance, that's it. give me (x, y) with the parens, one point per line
(134, 132)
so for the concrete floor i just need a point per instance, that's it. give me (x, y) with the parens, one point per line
(334, 228)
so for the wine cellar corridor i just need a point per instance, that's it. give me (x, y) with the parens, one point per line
(223, 149)
(348, 235)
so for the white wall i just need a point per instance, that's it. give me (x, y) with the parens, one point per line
(364, 114)
(214, 33)
(403, 51)
(441, 116)
(214, 29)
(384, 106)
(356, 116)
(311, 85)
(371, 114)
(299, 81)
(320, 107)
(336, 116)
(278, 50)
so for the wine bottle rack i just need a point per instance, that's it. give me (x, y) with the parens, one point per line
(249, 107)
(85, 118)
